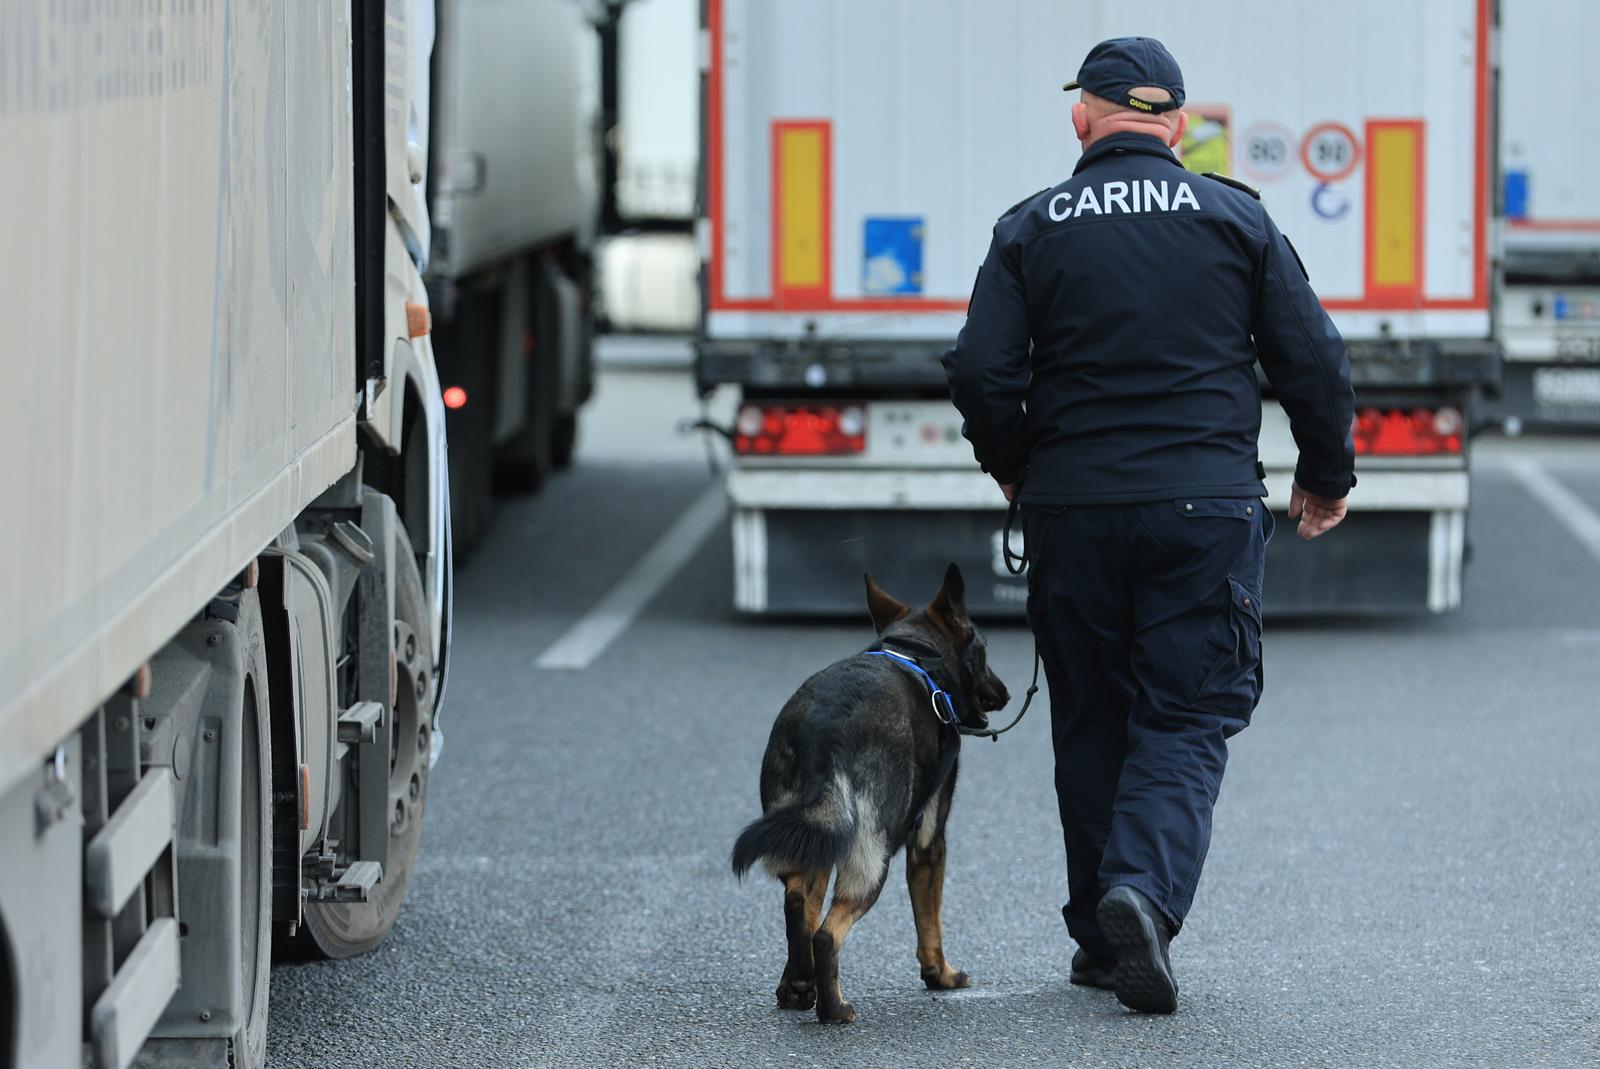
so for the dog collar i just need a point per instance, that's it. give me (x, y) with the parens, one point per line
(946, 715)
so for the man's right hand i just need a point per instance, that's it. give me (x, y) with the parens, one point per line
(1317, 515)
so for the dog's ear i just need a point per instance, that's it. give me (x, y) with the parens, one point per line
(950, 604)
(884, 607)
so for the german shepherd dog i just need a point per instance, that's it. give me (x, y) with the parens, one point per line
(861, 761)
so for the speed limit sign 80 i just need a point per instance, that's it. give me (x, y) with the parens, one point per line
(1268, 151)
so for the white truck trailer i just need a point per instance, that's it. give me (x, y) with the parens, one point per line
(514, 205)
(225, 562)
(856, 154)
(1550, 307)
(649, 267)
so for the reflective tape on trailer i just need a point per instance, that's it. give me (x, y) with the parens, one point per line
(1395, 211)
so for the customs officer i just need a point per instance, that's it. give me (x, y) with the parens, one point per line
(1107, 376)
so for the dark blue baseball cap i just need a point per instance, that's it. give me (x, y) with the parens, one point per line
(1114, 68)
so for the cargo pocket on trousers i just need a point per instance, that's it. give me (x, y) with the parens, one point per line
(1232, 684)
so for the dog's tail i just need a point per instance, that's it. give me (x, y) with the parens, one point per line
(813, 833)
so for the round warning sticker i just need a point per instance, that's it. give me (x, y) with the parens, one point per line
(1330, 151)
(1268, 151)
(1329, 202)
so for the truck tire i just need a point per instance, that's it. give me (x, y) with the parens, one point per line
(525, 461)
(564, 440)
(464, 348)
(342, 930)
(247, 1047)
(471, 503)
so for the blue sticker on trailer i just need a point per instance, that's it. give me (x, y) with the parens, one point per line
(891, 256)
(1516, 194)
(1329, 202)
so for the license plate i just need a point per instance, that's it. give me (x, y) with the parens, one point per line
(1578, 346)
(1566, 387)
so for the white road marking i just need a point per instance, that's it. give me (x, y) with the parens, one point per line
(969, 993)
(1571, 511)
(589, 637)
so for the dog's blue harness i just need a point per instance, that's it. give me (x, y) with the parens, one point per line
(949, 740)
(946, 713)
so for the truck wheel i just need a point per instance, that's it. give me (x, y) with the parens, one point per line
(523, 462)
(248, 1046)
(464, 348)
(471, 500)
(341, 930)
(564, 440)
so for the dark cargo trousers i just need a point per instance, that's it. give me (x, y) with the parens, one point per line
(1148, 618)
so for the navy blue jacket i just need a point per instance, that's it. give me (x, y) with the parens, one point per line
(1111, 341)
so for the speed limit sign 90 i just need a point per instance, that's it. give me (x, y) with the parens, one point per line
(1268, 151)
(1330, 151)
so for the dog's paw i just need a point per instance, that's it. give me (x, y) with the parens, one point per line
(945, 978)
(840, 1012)
(796, 995)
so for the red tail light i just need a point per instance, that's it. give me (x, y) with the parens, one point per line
(800, 430)
(1419, 432)
(454, 397)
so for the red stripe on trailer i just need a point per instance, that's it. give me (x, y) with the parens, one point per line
(1586, 225)
(1485, 165)
(714, 137)
(840, 304)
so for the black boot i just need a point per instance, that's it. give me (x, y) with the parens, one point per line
(1138, 932)
(1091, 971)
(1088, 968)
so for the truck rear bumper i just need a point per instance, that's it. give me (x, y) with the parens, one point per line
(803, 538)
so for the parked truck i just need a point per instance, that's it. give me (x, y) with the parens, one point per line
(514, 206)
(650, 71)
(856, 155)
(225, 562)
(1550, 306)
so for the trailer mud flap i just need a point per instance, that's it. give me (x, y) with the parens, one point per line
(1377, 562)
(810, 562)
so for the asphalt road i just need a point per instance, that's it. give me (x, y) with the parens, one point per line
(1405, 870)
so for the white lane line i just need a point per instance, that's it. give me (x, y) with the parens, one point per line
(612, 614)
(1571, 511)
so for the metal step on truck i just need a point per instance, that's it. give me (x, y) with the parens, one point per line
(225, 562)
(855, 158)
(1549, 311)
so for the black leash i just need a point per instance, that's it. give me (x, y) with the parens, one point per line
(1027, 700)
(950, 743)
(1016, 564)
